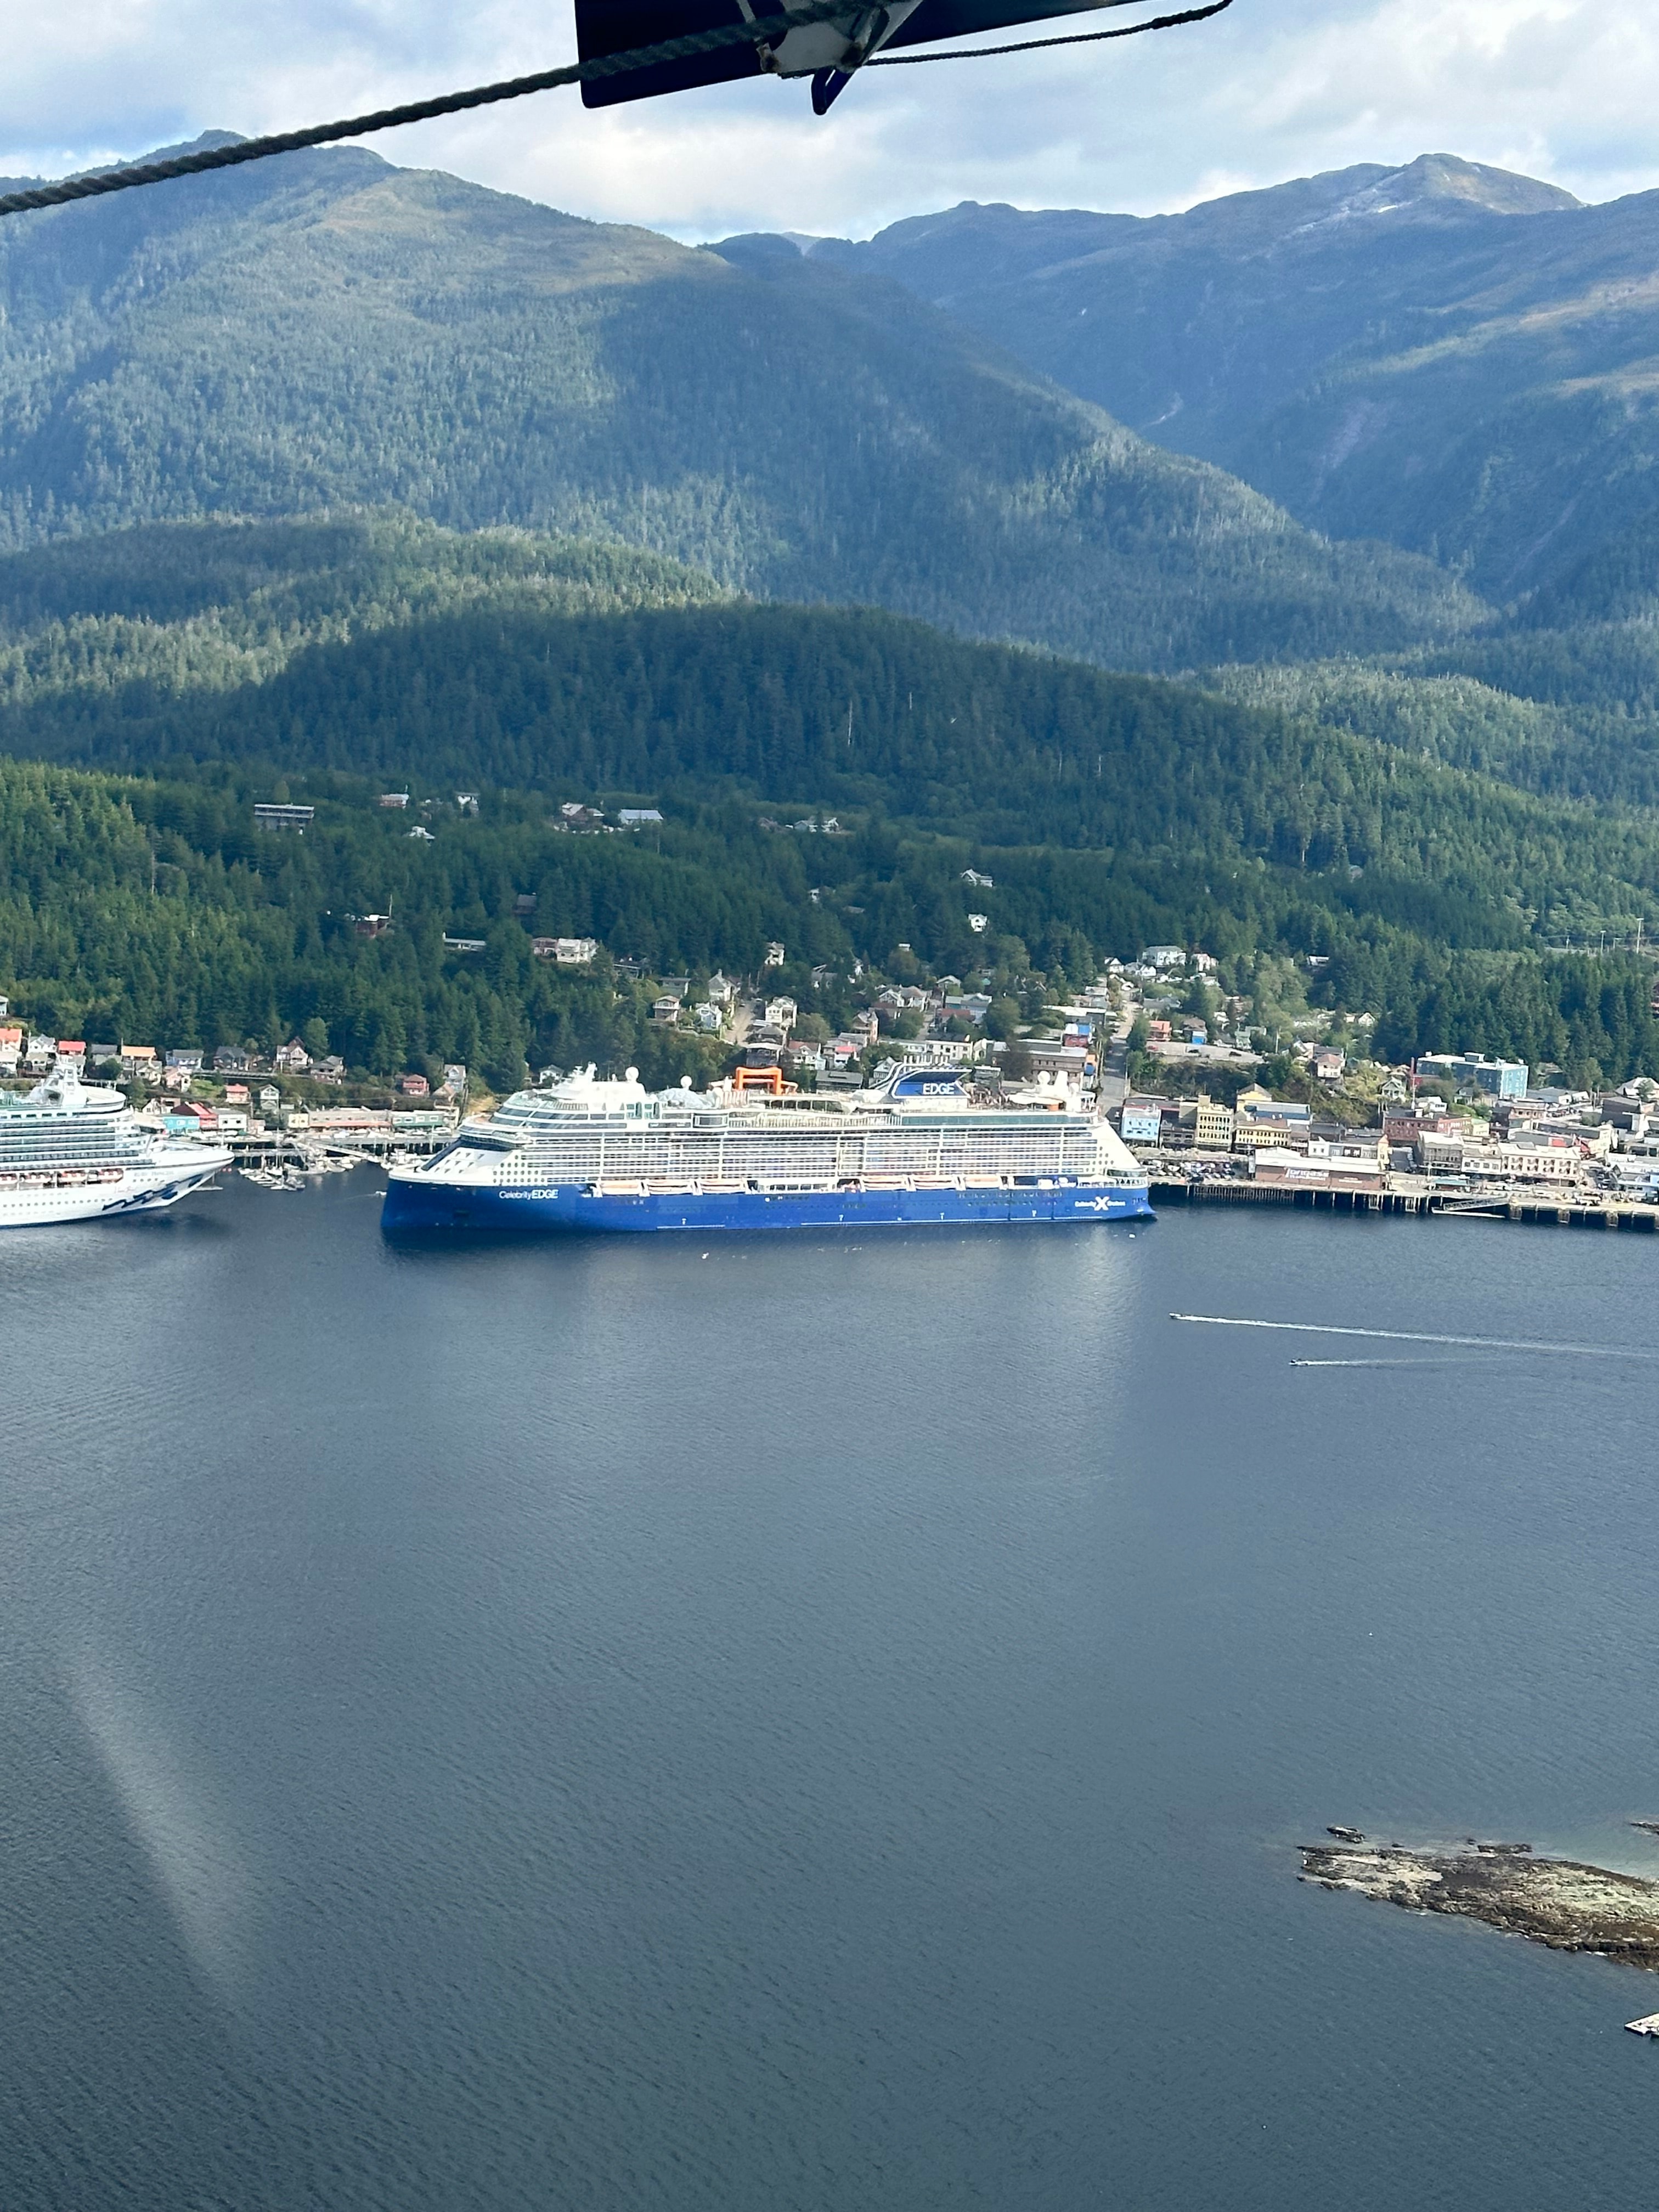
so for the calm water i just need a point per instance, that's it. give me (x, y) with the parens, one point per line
(814, 1725)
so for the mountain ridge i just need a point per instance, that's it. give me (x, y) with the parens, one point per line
(328, 331)
(1455, 359)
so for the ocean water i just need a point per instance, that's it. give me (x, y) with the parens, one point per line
(811, 1723)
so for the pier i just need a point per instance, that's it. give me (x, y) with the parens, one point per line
(1176, 1184)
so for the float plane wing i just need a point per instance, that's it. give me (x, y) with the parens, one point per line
(828, 51)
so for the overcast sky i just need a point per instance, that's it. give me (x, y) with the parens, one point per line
(1563, 89)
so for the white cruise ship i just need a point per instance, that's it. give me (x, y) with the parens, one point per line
(75, 1152)
(589, 1154)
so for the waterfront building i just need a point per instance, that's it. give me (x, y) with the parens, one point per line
(1285, 1169)
(1141, 1122)
(1211, 1124)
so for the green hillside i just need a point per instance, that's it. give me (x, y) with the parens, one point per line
(328, 331)
(567, 668)
(1572, 715)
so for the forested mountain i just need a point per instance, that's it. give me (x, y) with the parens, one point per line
(327, 330)
(537, 666)
(1453, 358)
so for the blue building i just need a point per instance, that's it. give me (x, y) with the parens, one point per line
(1141, 1123)
(1472, 1070)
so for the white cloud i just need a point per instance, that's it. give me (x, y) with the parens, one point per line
(1564, 89)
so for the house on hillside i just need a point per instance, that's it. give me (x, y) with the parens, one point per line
(292, 1058)
(566, 952)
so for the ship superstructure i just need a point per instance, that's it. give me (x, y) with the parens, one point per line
(589, 1153)
(75, 1152)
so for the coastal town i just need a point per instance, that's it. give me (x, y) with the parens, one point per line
(1176, 1066)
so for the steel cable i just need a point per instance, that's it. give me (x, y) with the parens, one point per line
(1030, 45)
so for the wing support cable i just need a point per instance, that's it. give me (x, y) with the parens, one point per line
(1030, 45)
(755, 30)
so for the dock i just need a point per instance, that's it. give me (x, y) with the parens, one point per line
(1574, 1206)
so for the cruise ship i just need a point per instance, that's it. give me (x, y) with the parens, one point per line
(917, 1146)
(75, 1152)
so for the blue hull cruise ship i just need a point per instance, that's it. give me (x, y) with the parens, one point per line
(591, 1154)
